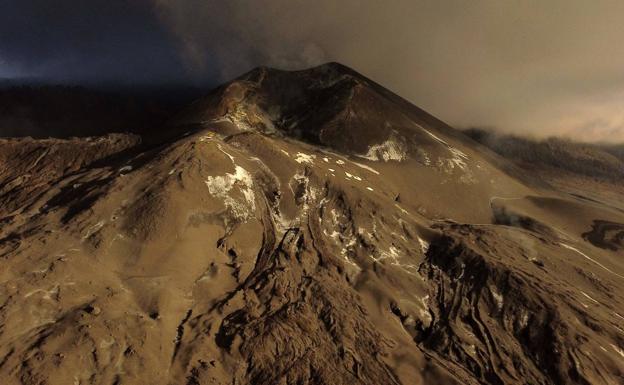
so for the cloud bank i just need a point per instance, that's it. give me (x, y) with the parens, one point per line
(528, 67)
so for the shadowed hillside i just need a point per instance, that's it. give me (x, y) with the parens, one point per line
(63, 111)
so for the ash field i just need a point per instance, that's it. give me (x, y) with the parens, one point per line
(309, 227)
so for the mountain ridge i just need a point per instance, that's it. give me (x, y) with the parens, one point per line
(297, 228)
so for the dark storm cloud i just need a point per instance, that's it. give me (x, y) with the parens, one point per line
(532, 66)
(87, 41)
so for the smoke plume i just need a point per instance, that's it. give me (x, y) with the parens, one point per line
(527, 67)
(541, 68)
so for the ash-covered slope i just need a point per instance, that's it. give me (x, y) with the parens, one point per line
(303, 228)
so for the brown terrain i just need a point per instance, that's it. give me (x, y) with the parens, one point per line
(308, 227)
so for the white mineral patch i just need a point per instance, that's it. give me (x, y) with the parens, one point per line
(426, 160)
(424, 312)
(348, 246)
(238, 119)
(93, 229)
(365, 167)
(304, 158)
(424, 245)
(220, 187)
(588, 297)
(392, 253)
(345, 239)
(449, 164)
(46, 294)
(370, 189)
(589, 258)
(434, 137)
(459, 158)
(281, 223)
(402, 209)
(524, 317)
(458, 161)
(340, 161)
(353, 176)
(225, 152)
(618, 350)
(389, 150)
(310, 193)
(497, 297)
(243, 116)
(104, 344)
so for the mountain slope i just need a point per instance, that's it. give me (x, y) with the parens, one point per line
(590, 171)
(302, 227)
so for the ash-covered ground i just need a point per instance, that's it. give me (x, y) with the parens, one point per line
(304, 227)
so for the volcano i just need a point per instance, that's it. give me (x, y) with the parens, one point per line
(306, 227)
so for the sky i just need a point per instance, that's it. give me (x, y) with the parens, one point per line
(529, 67)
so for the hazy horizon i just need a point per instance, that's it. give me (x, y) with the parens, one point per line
(529, 68)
